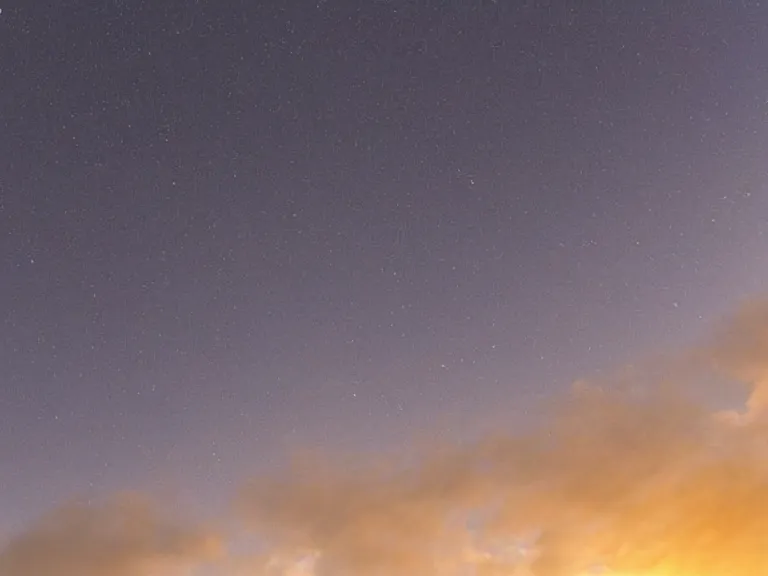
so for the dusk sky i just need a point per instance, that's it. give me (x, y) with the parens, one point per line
(230, 227)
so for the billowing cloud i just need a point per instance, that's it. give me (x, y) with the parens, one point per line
(125, 536)
(633, 480)
(630, 477)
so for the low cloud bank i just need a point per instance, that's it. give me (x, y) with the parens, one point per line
(125, 536)
(634, 478)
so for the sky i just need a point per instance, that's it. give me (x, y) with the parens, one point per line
(228, 228)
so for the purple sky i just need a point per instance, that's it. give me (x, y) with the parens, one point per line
(227, 226)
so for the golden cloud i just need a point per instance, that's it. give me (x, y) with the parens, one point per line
(125, 536)
(630, 477)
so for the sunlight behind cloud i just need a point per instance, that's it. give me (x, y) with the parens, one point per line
(631, 477)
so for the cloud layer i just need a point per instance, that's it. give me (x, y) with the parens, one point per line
(125, 536)
(631, 480)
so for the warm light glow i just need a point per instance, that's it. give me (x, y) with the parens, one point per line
(643, 484)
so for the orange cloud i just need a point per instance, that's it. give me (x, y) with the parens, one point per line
(125, 536)
(631, 477)
(636, 480)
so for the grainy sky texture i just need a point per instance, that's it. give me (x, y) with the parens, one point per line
(227, 226)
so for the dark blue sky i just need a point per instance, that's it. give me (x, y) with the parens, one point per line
(227, 226)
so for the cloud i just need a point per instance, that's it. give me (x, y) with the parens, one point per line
(639, 480)
(631, 476)
(125, 536)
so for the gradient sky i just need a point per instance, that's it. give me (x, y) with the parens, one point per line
(227, 226)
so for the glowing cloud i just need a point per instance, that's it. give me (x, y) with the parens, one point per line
(628, 480)
(125, 536)
(636, 480)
